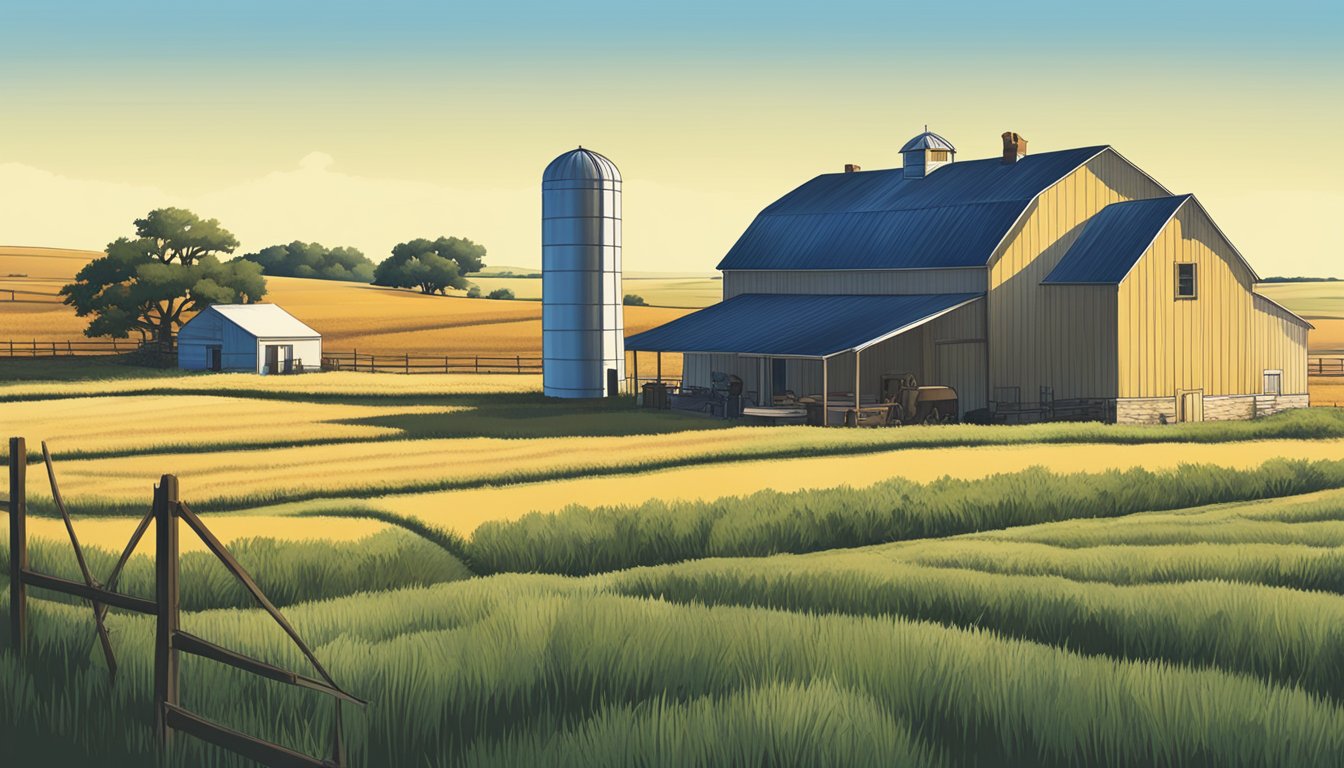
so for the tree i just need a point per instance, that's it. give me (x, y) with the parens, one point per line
(428, 271)
(313, 260)
(463, 255)
(634, 300)
(154, 282)
(500, 293)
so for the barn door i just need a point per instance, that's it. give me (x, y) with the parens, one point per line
(272, 358)
(215, 361)
(961, 365)
(1190, 405)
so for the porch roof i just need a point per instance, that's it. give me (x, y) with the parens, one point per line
(792, 325)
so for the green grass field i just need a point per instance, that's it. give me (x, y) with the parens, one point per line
(1119, 611)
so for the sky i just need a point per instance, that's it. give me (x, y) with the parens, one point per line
(367, 124)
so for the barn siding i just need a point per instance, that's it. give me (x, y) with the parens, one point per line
(1221, 341)
(854, 281)
(1056, 336)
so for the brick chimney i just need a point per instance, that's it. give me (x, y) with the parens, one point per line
(852, 168)
(1014, 148)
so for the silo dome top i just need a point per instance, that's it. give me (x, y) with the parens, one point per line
(581, 165)
(928, 140)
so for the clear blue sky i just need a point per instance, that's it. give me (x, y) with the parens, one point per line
(711, 109)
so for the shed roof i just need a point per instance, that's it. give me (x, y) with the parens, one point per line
(881, 220)
(1113, 241)
(793, 325)
(264, 321)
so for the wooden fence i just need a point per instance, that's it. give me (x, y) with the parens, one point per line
(170, 641)
(68, 348)
(355, 360)
(1325, 366)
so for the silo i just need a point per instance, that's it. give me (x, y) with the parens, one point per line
(582, 324)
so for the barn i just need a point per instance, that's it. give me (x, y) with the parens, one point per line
(1064, 284)
(261, 338)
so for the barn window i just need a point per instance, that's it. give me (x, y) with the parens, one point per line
(938, 155)
(1185, 281)
(1273, 382)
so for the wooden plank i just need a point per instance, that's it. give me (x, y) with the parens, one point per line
(98, 610)
(263, 752)
(240, 573)
(102, 595)
(189, 643)
(18, 543)
(129, 550)
(166, 598)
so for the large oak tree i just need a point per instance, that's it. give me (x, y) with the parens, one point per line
(154, 282)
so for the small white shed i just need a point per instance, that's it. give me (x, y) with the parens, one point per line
(248, 337)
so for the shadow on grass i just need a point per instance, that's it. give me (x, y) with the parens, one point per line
(532, 415)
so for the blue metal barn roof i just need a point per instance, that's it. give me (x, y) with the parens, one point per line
(795, 325)
(954, 217)
(1113, 241)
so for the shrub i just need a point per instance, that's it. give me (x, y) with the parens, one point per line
(501, 293)
(474, 292)
(635, 300)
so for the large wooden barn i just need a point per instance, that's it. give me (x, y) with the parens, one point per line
(1050, 285)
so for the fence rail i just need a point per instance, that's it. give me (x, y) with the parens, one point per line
(166, 512)
(355, 360)
(1325, 366)
(34, 348)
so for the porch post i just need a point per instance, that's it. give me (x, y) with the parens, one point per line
(825, 393)
(659, 358)
(635, 376)
(857, 355)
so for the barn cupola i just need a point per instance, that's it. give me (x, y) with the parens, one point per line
(926, 153)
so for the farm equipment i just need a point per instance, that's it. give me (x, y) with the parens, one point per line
(918, 405)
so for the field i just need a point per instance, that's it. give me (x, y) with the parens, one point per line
(515, 582)
(388, 321)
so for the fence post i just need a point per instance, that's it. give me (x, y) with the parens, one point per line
(18, 543)
(165, 594)
(408, 362)
(517, 363)
(476, 363)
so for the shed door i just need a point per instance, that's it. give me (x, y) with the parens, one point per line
(214, 358)
(272, 358)
(961, 365)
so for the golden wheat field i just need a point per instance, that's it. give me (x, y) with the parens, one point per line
(96, 424)
(686, 291)
(386, 321)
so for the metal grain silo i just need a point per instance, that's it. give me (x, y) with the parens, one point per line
(582, 325)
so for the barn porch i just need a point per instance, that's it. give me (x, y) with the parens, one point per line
(820, 359)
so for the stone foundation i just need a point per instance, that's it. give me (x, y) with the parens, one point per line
(1145, 410)
(1152, 410)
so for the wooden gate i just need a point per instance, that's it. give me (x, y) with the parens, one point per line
(170, 641)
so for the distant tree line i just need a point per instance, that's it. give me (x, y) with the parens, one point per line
(1300, 280)
(314, 261)
(172, 268)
